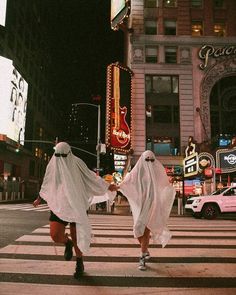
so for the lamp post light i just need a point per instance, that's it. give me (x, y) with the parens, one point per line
(98, 130)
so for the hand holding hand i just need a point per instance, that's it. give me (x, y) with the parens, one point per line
(113, 187)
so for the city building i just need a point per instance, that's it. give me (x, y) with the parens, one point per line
(183, 57)
(28, 106)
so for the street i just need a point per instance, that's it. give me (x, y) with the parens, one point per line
(200, 258)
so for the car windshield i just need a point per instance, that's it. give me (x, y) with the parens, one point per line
(219, 191)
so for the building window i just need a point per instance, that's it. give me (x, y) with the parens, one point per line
(151, 3)
(170, 27)
(196, 3)
(150, 27)
(219, 29)
(162, 114)
(161, 84)
(197, 28)
(170, 3)
(218, 3)
(170, 55)
(151, 54)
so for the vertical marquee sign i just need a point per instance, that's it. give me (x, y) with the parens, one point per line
(118, 108)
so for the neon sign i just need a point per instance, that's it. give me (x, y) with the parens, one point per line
(118, 133)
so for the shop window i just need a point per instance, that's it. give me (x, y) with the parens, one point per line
(196, 3)
(32, 168)
(162, 114)
(175, 84)
(170, 27)
(151, 3)
(176, 114)
(197, 28)
(151, 54)
(170, 3)
(218, 3)
(148, 84)
(161, 84)
(150, 27)
(219, 29)
(170, 55)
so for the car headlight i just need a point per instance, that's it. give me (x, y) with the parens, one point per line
(197, 201)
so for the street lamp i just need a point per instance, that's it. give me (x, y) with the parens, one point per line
(98, 130)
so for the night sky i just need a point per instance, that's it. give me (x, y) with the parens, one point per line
(83, 44)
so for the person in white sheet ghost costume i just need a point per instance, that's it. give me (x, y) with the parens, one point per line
(69, 188)
(151, 198)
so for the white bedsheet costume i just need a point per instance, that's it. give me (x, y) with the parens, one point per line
(150, 196)
(69, 188)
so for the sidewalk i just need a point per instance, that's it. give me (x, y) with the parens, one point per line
(123, 208)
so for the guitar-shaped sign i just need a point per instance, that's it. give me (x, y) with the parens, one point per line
(120, 131)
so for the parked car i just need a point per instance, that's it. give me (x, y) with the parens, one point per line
(210, 206)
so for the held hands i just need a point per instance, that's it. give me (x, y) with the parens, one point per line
(37, 201)
(113, 187)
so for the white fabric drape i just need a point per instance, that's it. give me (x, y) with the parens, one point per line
(150, 196)
(69, 188)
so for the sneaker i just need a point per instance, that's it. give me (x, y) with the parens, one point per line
(146, 255)
(142, 265)
(79, 269)
(68, 254)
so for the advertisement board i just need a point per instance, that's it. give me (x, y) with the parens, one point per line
(190, 164)
(13, 101)
(3, 9)
(118, 108)
(119, 10)
(226, 160)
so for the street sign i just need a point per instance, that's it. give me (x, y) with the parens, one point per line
(191, 165)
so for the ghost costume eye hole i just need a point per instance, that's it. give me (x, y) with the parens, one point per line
(61, 155)
(149, 160)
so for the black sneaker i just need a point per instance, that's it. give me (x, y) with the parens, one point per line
(68, 254)
(79, 269)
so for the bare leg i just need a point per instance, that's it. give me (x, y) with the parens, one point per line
(144, 240)
(74, 240)
(57, 232)
(79, 269)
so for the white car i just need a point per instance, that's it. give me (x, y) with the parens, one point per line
(221, 201)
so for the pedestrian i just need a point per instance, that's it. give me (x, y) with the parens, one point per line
(69, 187)
(151, 198)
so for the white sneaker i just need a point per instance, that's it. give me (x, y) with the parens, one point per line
(142, 265)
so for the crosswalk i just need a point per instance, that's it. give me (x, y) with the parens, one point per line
(25, 207)
(200, 259)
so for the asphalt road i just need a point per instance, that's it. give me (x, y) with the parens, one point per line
(16, 223)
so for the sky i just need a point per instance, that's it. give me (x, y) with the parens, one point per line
(83, 45)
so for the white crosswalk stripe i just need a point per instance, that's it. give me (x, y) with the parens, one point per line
(25, 207)
(199, 258)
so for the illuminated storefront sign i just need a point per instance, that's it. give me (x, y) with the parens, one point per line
(191, 165)
(120, 9)
(226, 160)
(3, 8)
(13, 101)
(118, 124)
(208, 51)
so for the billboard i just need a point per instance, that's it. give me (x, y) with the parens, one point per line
(118, 110)
(13, 101)
(190, 164)
(120, 9)
(3, 8)
(226, 160)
